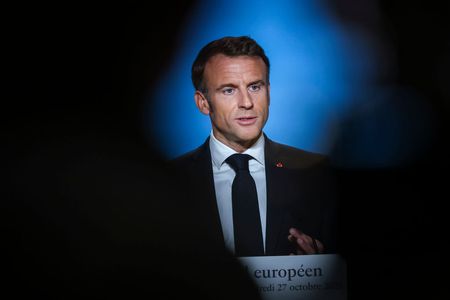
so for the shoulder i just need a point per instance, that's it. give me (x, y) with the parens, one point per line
(294, 157)
(192, 156)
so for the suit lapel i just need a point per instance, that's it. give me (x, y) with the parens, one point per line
(276, 176)
(206, 201)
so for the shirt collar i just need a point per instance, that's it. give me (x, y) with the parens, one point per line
(220, 152)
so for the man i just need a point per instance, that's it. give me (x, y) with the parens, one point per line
(295, 209)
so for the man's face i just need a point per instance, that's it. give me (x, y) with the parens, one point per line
(237, 100)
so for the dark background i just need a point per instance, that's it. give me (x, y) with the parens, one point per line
(86, 207)
(394, 222)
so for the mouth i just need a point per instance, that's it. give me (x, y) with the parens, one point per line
(246, 121)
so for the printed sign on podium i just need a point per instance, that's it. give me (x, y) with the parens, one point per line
(294, 277)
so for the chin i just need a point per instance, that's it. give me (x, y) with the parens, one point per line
(249, 136)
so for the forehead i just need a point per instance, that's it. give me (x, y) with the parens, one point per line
(221, 68)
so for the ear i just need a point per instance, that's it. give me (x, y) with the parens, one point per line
(268, 94)
(202, 103)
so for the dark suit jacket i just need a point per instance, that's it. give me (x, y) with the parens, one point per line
(300, 193)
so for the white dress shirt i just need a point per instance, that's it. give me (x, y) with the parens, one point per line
(223, 178)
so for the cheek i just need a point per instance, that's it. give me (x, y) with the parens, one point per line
(264, 107)
(222, 115)
(224, 111)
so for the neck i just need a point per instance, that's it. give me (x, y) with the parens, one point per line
(238, 146)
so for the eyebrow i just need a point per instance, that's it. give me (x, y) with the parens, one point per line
(260, 81)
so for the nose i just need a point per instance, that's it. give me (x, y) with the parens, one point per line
(246, 101)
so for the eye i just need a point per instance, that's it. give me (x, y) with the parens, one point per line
(255, 87)
(228, 91)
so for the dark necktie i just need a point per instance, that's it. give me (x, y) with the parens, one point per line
(246, 221)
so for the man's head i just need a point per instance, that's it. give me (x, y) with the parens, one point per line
(231, 78)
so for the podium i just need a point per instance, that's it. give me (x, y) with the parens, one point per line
(294, 277)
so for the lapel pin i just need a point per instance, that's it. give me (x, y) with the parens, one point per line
(279, 164)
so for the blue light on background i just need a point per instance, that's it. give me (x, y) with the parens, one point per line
(317, 68)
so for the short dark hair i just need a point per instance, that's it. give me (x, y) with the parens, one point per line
(229, 46)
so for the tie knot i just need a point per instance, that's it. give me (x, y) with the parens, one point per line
(239, 162)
